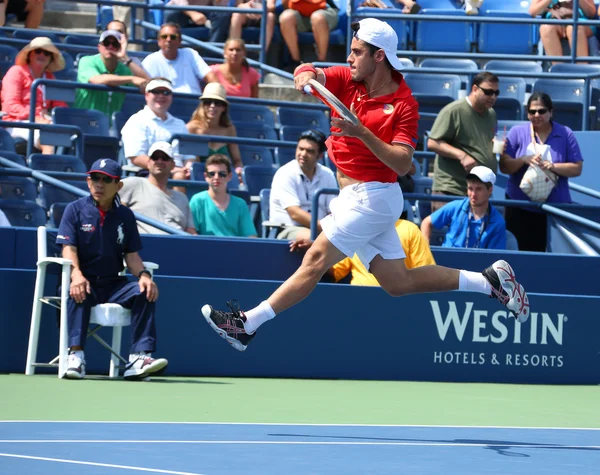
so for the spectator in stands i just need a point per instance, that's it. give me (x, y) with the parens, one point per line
(294, 185)
(3, 12)
(473, 222)
(39, 59)
(301, 16)
(184, 67)
(239, 20)
(28, 11)
(118, 25)
(97, 235)
(563, 157)
(216, 212)
(4, 222)
(462, 136)
(218, 21)
(153, 124)
(552, 35)
(152, 198)
(410, 6)
(236, 76)
(105, 68)
(211, 118)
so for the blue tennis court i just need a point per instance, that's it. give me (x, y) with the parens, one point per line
(52, 448)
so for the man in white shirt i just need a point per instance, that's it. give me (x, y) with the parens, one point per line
(184, 67)
(151, 197)
(294, 185)
(153, 124)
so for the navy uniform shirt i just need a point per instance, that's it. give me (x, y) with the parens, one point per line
(101, 243)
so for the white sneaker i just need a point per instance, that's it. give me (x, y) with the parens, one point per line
(507, 290)
(142, 365)
(75, 367)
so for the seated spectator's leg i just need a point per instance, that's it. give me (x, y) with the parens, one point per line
(219, 26)
(290, 23)
(78, 318)
(583, 33)
(551, 36)
(238, 20)
(322, 22)
(181, 173)
(3, 12)
(179, 18)
(143, 327)
(271, 18)
(35, 12)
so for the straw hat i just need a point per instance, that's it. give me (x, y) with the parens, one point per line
(214, 90)
(57, 63)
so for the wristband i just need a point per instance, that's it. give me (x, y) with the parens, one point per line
(305, 68)
(128, 62)
(145, 271)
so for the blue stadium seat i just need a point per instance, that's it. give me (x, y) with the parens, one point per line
(466, 64)
(251, 113)
(423, 184)
(28, 34)
(576, 68)
(400, 26)
(4, 67)
(440, 35)
(14, 157)
(509, 124)
(82, 40)
(66, 75)
(118, 122)
(284, 155)
(306, 118)
(437, 236)
(256, 131)
(257, 177)
(588, 143)
(8, 53)
(568, 96)
(55, 214)
(135, 103)
(255, 155)
(509, 104)
(17, 188)
(69, 61)
(433, 92)
(56, 163)
(265, 196)
(496, 66)
(198, 171)
(7, 143)
(23, 213)
(511, 241)
(291, 133)
(182, 108)
(104, 15)
(50, 194)
(510, 37)
(193, 187)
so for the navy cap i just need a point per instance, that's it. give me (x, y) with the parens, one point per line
(108, 167)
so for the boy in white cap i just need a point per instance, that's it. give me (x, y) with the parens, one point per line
(473, 221)
(369, 156)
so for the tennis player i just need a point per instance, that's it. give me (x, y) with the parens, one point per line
(369, 157)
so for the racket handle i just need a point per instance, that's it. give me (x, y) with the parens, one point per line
(308, 89)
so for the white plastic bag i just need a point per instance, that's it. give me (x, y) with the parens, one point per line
(537, 183)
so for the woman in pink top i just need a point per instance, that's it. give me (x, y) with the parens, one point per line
(39, 59)
(234, 74)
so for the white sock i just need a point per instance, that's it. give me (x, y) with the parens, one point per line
(473, 282)
(257, 316)
(79, 354)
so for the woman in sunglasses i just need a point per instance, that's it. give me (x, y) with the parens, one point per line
(553, 147)
(211, 117)
(39, 59)
(236, 76)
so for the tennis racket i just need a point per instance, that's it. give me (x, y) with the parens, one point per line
(316, 89)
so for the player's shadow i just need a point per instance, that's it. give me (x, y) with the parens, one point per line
(501, 447)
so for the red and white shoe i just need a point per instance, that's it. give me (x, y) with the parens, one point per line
(507, 290)
(142, 365)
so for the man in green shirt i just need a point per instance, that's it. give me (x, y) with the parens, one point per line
(462, 137)
(106, 68)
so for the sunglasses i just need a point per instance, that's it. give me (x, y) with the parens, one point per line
(212, 174)
(42, 51)
(96, 177)
(537, 111)
(215, 102)
(108, 43)
(161, 92)
(164, 158)
(171, 37)
(490, 92)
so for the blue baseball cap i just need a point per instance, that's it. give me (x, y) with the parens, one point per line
(108, 167)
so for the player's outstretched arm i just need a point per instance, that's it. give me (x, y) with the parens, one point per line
(306, 72)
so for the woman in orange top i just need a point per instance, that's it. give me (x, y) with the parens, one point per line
(236, 76)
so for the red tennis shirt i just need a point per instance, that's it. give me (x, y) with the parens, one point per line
(393, 118)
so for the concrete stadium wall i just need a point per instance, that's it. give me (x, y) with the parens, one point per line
(346, 332)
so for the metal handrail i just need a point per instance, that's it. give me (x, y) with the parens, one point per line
(75, 132)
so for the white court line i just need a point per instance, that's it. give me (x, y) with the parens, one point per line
(95, 464)
(296, 442)
(299, 424)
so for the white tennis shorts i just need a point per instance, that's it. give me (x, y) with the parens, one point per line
(362, 221)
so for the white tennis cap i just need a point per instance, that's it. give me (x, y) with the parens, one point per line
(161, 146)
(108, 33)
(158, 83)
(484, 174)
(378, 33)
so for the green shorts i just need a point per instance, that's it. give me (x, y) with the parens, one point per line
(330, 14)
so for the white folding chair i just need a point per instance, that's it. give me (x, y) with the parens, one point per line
(103, 315)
